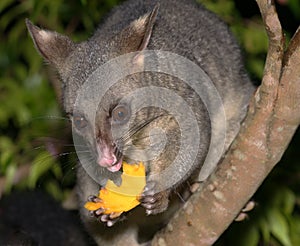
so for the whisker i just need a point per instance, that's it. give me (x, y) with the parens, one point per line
(56, 156)
(64, 154)
(180, 197)
(147, 136)
(39, 148)
(59, 141)
(136, 128)
(77, 145)
(69, 172)
(50, 117)
(82, 151)
(70, 167)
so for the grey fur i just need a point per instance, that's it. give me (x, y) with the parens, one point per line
(182, 27)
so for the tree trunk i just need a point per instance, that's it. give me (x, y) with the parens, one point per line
(272, 119)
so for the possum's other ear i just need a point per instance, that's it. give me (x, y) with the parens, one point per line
(136, 36)
(54, 47)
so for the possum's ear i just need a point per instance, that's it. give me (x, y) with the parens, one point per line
(54, 47)
(136, 36)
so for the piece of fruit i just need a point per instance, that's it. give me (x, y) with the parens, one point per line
(118, 199)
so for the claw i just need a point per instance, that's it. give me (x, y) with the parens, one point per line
(99, 211)
(148, 212)
(110, 223)
(249, 206)
(94, 199)
(104, 218)
(114, 215)
(91, 212)
(149, 199)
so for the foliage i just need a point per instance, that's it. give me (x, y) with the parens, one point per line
(34, 131)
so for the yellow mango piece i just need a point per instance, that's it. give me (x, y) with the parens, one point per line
(118, 199)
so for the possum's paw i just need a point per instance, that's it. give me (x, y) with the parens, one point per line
(154, 202)
(243, 214)
(109, 219)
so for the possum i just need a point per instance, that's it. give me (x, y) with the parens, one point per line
(154, 116)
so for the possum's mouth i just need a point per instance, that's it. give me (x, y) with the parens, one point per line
(116, 167)
(109, 158)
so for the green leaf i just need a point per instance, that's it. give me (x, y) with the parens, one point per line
(255, 39)
(5, 3)
(9, 177)
(288, 201)
(295, 230)
(42, 163)
(294, 7)
(7, 152)
(265, 229)
(279, 227)
(54, 189)
(255, 66)
(57, 171)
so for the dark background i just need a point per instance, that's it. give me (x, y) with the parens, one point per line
(35, 140)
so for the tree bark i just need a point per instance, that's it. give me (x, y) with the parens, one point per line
(272, 119)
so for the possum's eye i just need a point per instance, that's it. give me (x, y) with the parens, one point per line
(121, 114)
(79, 121)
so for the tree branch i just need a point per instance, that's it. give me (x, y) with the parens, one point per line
(273, 117)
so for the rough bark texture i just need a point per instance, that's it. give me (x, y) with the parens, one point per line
(273, 117)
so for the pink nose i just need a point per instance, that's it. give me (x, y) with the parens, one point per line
(107, 161)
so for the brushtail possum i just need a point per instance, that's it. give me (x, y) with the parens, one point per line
(184, 28)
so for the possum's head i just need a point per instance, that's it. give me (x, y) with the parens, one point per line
(75, 62)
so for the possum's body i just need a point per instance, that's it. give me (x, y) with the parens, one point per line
(178, 26)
